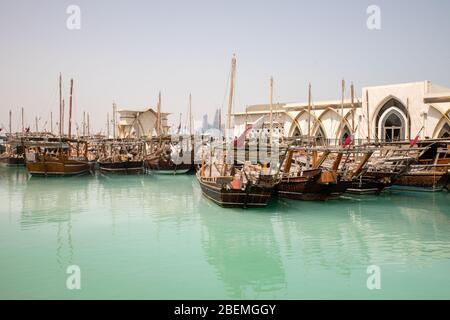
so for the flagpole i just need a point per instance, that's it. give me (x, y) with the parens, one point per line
(190, 114)
(341, 129)
(368, 119)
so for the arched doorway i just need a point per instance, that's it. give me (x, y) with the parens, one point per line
(445, 131)
(391, 121)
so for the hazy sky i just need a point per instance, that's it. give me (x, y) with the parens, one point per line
(126, 51)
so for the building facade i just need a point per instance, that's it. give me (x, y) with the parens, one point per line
(382, 113)
(138, 124)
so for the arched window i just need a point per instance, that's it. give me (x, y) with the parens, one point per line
(445, 131)
(345, 134)
(319, 137)
(393, 126)
(296, 132)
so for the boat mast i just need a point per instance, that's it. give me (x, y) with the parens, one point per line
(88, 125)
(36, 121)
(342, 107)
(51, 122)
(158, 116)
(190, 114)
(368, 120)
(309, 113)
(271, 109)
(114, 120)
(408, 119)
(70, 108)
(22, 120)
(60, 105)
(62, 117)
(107, 125)
(342, 97)
(352, 92)
(10, 118)
(230, 98)
(84, 123)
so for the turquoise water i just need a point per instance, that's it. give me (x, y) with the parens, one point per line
(156, 237)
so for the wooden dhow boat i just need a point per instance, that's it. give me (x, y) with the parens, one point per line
(230, 186)
(228, 191)
(58, 156)
(420, 178)
(429, 171)
(122, 157)
(66, 157)
(121, 164)
(14, 153)
(301, 180)
(170, 155)
(356, 175)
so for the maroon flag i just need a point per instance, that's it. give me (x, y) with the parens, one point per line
(413, 142)
(347, 141)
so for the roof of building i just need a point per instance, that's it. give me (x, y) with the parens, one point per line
(142, 110)
(292, 106)
(324, 104)
(437, 94)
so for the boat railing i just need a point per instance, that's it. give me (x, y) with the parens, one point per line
(218, 179)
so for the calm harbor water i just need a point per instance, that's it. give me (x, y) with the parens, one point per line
(156, 237)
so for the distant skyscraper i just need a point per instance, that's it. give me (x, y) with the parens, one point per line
(216, 123)
(205, 124)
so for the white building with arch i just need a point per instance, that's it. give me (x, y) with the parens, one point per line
(382, 113)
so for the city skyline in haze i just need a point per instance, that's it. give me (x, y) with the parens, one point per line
(128, 51)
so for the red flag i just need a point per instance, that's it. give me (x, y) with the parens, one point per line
(413, 142)
(347, 141)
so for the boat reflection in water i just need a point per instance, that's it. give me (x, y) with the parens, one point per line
(50, 206)
(246, 258)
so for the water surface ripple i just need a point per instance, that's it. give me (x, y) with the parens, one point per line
(157, 237)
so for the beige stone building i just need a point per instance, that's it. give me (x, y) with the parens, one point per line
(139, 122)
